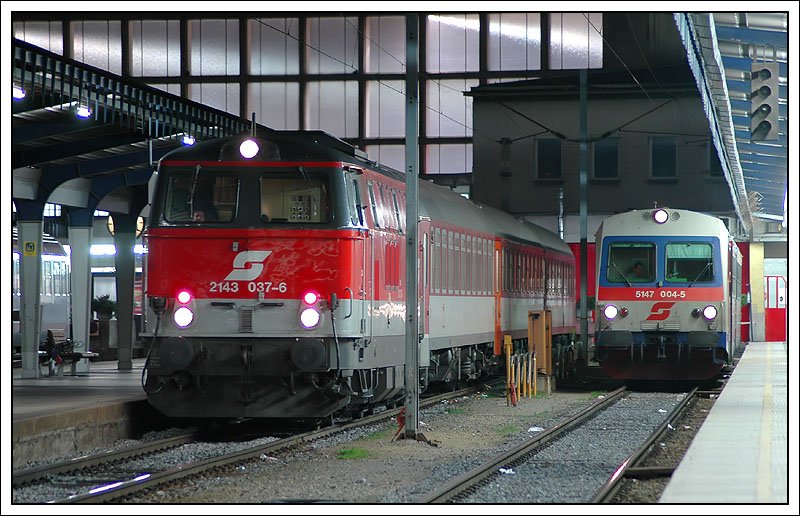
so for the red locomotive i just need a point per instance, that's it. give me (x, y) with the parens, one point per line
(276, 281)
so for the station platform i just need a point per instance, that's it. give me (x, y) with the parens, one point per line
(741, 454)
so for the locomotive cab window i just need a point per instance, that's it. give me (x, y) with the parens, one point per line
(631, 262)
(689, 262)
(201, 197)
(285, 199)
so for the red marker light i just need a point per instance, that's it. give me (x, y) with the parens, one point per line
(310, 297)
(184, 297)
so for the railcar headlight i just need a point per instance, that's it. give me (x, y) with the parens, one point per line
(610, 311)
(183, 317)
(660, 216)
(710, 312)
(309, 318)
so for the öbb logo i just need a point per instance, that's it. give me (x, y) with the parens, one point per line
(660, 311)
(240, 272)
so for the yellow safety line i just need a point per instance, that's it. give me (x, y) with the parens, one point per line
(764, 486)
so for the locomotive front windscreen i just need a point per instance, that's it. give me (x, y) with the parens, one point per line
(200, 196)
(286, 199)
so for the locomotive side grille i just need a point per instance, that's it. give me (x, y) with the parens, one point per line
(246, 319)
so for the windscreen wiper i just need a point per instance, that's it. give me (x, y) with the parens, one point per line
(708, 264)
(622, 274)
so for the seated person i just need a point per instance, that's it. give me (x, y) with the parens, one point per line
(638, 273)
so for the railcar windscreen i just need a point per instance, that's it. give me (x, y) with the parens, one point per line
(631, 262)
(689, 262)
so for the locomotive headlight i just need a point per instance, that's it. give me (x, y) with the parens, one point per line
(710, 312)
(610, 311)
(310, 297)
(309, 318)
(248, 148)
(183, 317)
(660, 216)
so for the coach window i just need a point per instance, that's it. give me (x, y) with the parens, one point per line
(356, 214)
(689, 262)
(397, 211)
(631, 262)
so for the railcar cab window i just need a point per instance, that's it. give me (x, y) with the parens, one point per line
(201, 197)
(631, 262)
(689, 262)
(303, 198)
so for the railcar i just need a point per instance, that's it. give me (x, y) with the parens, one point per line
(668, 295)
(54, 295)
(275, 281)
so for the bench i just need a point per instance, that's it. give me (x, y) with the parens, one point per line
(59, 350)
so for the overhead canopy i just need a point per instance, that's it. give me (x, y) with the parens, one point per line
(721, 48)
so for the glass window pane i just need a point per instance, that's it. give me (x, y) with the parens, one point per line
(333, 107)
(274, 46)
(214, 47)
(385, 44)
(275, 104)
(175, 89)
(576, 40)
(448, 159)
(449, 111)
(332, 45)
(215, 198)
(98, 43)
(689, 262)
(392, 156)
(630, 262)
(662, 156)
(155, 48)
(220, 96)
(47, 34)
(452, 44)
(514, 41)
(288, 199)
(606, 158)
(385, 109)
(548, 158)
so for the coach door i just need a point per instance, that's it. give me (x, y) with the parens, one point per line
(775, 308)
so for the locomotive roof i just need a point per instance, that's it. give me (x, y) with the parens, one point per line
(435, 201)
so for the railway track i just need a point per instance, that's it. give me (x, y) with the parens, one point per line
(476, 476)
(116, 485)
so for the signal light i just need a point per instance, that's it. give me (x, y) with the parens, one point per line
(764, 101)
(310, 297)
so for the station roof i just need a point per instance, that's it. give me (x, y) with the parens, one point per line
(94, 161)
(721, 48)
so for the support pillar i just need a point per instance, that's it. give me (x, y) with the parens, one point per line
(125, 264)
(80, 239)
(30, 261)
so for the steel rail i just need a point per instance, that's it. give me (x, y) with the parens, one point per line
(629, 468)
(476, 475)
(122, 488)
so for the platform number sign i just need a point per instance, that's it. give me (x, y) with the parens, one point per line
(29, 249)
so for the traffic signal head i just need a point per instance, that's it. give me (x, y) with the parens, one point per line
(764, 101)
